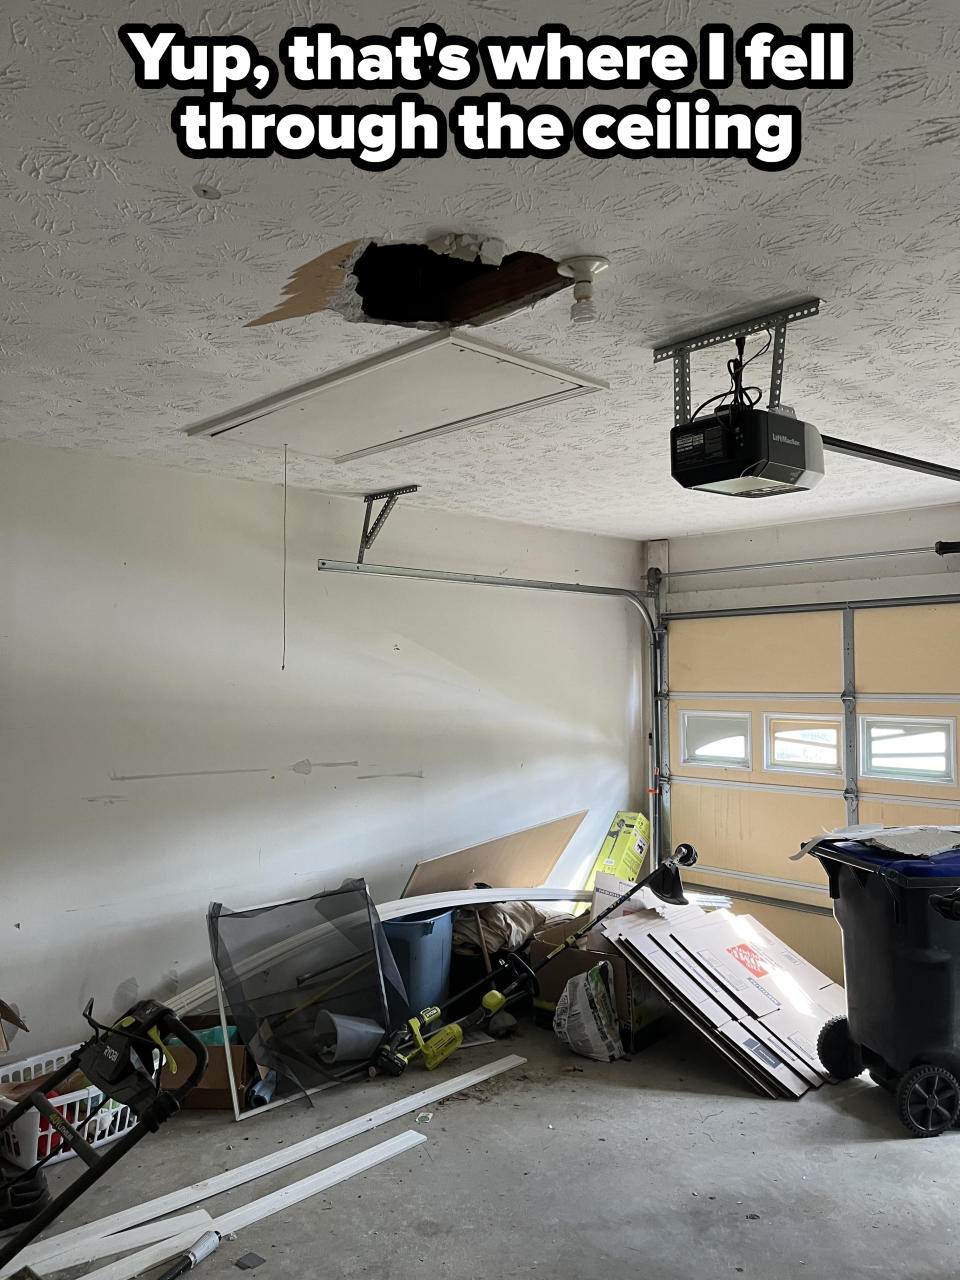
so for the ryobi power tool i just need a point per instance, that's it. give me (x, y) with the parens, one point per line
(408, 1041)
(124, 1062)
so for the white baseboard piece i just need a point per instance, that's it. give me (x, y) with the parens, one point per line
(257, 1210)
(94, 1247)
(279, 1159)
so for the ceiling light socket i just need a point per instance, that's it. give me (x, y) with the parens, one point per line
(583, 270)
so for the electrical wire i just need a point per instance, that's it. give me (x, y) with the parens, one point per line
(742, 396)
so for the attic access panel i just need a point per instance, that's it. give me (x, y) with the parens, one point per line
(438, 384)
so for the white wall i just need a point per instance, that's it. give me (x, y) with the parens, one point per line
(148, 738)
(915, 575)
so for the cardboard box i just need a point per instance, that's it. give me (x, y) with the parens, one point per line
(213, 1091)
(746, 991)
(623, 850)
(638, 1005)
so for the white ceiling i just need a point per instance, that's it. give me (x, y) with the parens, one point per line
(124, 295)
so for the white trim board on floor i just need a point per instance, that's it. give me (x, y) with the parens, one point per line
(203, 991)
(267, 1164)
(94, 1247)
(257, 1210)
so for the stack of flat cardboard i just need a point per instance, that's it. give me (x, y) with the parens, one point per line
(753, 997)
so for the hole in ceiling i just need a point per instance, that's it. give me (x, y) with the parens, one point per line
(412, 284)
(453, 280)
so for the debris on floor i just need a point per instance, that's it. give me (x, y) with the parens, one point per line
(249, 1262)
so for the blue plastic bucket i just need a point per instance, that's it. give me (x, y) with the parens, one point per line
(422, 945)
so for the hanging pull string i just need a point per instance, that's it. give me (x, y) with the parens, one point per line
(283, 650)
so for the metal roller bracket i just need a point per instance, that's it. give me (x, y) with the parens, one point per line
(680, 352)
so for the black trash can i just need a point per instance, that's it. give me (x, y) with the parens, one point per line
(901, 961)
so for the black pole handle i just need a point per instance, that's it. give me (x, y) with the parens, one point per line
(947, 548)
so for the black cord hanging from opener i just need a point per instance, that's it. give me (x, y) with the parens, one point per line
(735, 366)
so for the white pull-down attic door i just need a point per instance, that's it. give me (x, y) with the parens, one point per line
(439, 383)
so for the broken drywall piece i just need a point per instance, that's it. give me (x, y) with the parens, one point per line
(311, 286)
(460, 244)
(493, 252)
(523, 857)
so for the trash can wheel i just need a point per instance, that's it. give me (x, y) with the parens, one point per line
(928, 1100)
(837, 1052)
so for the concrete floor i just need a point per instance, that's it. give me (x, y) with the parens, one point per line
(664, 1166)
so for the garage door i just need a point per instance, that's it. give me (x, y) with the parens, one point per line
(785, 725)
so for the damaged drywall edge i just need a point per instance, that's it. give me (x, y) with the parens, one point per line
(328, 282)
(312, 285)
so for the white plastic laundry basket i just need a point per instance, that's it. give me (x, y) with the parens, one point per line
(30, 1138)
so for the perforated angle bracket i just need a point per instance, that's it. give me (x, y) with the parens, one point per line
(679, 352)
(389, 499)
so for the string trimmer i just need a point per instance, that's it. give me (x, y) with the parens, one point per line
(409, 1042)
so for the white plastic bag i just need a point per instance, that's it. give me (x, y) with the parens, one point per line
(586, 1018)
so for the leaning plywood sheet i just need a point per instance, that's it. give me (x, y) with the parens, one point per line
(525, 857)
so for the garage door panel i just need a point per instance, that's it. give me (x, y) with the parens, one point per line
(801, 895)
(747, 821)
(915, 649)
(753, 832)
(796, 652)
(891, 813)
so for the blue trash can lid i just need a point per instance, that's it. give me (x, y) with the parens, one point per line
(941, 869)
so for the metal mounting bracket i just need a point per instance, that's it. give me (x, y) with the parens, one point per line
(389, 499)
(679, 352)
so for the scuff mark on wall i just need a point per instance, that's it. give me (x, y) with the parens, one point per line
(126, 995)
(301, 766)
(104, 799)
(186, 773)
(307, 766)
(368, 777)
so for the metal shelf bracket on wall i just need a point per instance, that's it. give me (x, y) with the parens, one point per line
(775, 321)
(389, 499)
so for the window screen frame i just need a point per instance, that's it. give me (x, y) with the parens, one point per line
(867, 770)
(822, 771)
(686, 760)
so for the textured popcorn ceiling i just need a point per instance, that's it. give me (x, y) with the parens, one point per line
(124, 296)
